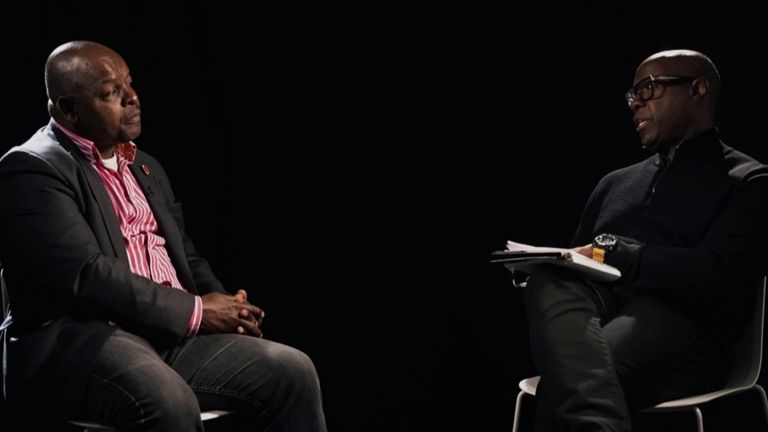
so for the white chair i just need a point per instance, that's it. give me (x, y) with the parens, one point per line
(87, 426)
(95, 427)
(747, 359)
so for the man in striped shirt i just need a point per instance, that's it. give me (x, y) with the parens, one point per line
(115, 317)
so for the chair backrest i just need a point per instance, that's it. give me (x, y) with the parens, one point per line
(748, 351)
(3, 297)
(5, 304)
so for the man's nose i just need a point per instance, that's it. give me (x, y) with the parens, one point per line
(130, 97)
(634, 104)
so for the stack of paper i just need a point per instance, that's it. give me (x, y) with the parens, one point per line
(524, 258)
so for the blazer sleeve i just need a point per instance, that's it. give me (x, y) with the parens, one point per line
(55, 261)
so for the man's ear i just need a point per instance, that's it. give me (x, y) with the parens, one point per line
(66, 106)
(699, 87)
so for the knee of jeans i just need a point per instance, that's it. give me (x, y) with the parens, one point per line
(179, 399)
(541, 281)
(292, 370)
(160, 402)
(548, 281)
(171, 400)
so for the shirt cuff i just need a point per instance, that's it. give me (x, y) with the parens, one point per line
(196, 318)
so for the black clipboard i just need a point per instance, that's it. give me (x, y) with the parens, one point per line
(527, 261)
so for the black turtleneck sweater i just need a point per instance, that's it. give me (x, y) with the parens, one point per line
(692, 231)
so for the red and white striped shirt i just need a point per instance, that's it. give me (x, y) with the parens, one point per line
(146, 251)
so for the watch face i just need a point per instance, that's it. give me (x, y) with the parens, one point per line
(607, 241)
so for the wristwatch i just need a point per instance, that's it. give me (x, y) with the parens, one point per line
(602, 244)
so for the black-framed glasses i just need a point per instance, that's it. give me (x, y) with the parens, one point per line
(653, 87)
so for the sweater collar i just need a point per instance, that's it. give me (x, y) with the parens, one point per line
(704, 146)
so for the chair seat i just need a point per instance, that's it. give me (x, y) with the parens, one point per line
(91, 426)
(695, 400)
(529, 386)
(87, 425)
(210, 415)
(747, 354)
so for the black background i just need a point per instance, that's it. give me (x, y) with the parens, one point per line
(353, 164)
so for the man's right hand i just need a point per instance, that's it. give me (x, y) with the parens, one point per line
(224, 313)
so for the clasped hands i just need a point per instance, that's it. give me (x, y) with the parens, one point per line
(223, 313)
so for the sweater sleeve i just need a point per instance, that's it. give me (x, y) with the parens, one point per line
(585, 231)
(732, 250)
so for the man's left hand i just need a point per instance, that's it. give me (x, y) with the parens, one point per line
(242, 297)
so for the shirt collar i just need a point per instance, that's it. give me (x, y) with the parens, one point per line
(126, 151)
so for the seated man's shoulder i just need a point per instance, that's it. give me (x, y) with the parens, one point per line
(42, 148)
(626, 173)
(744, 167)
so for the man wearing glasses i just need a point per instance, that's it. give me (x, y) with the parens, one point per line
(687, 228)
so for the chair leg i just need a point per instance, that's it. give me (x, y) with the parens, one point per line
(518, 403)
(699, 419)
(759, 388)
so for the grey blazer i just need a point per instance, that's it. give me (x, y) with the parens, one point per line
(67, 271)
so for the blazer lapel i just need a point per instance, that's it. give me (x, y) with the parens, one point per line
(99, 193)
(168, 227)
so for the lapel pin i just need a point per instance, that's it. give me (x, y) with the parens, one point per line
(145, 168)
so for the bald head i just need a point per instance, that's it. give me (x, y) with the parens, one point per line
(90, 92)
(680, 95)
(688, 63)
(69, 70)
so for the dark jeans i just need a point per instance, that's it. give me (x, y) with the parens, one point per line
(603, 353)
(136, 388)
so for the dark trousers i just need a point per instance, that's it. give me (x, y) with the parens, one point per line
(603, 352)
(136, 388)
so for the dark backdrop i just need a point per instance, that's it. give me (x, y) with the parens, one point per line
(352, 164)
